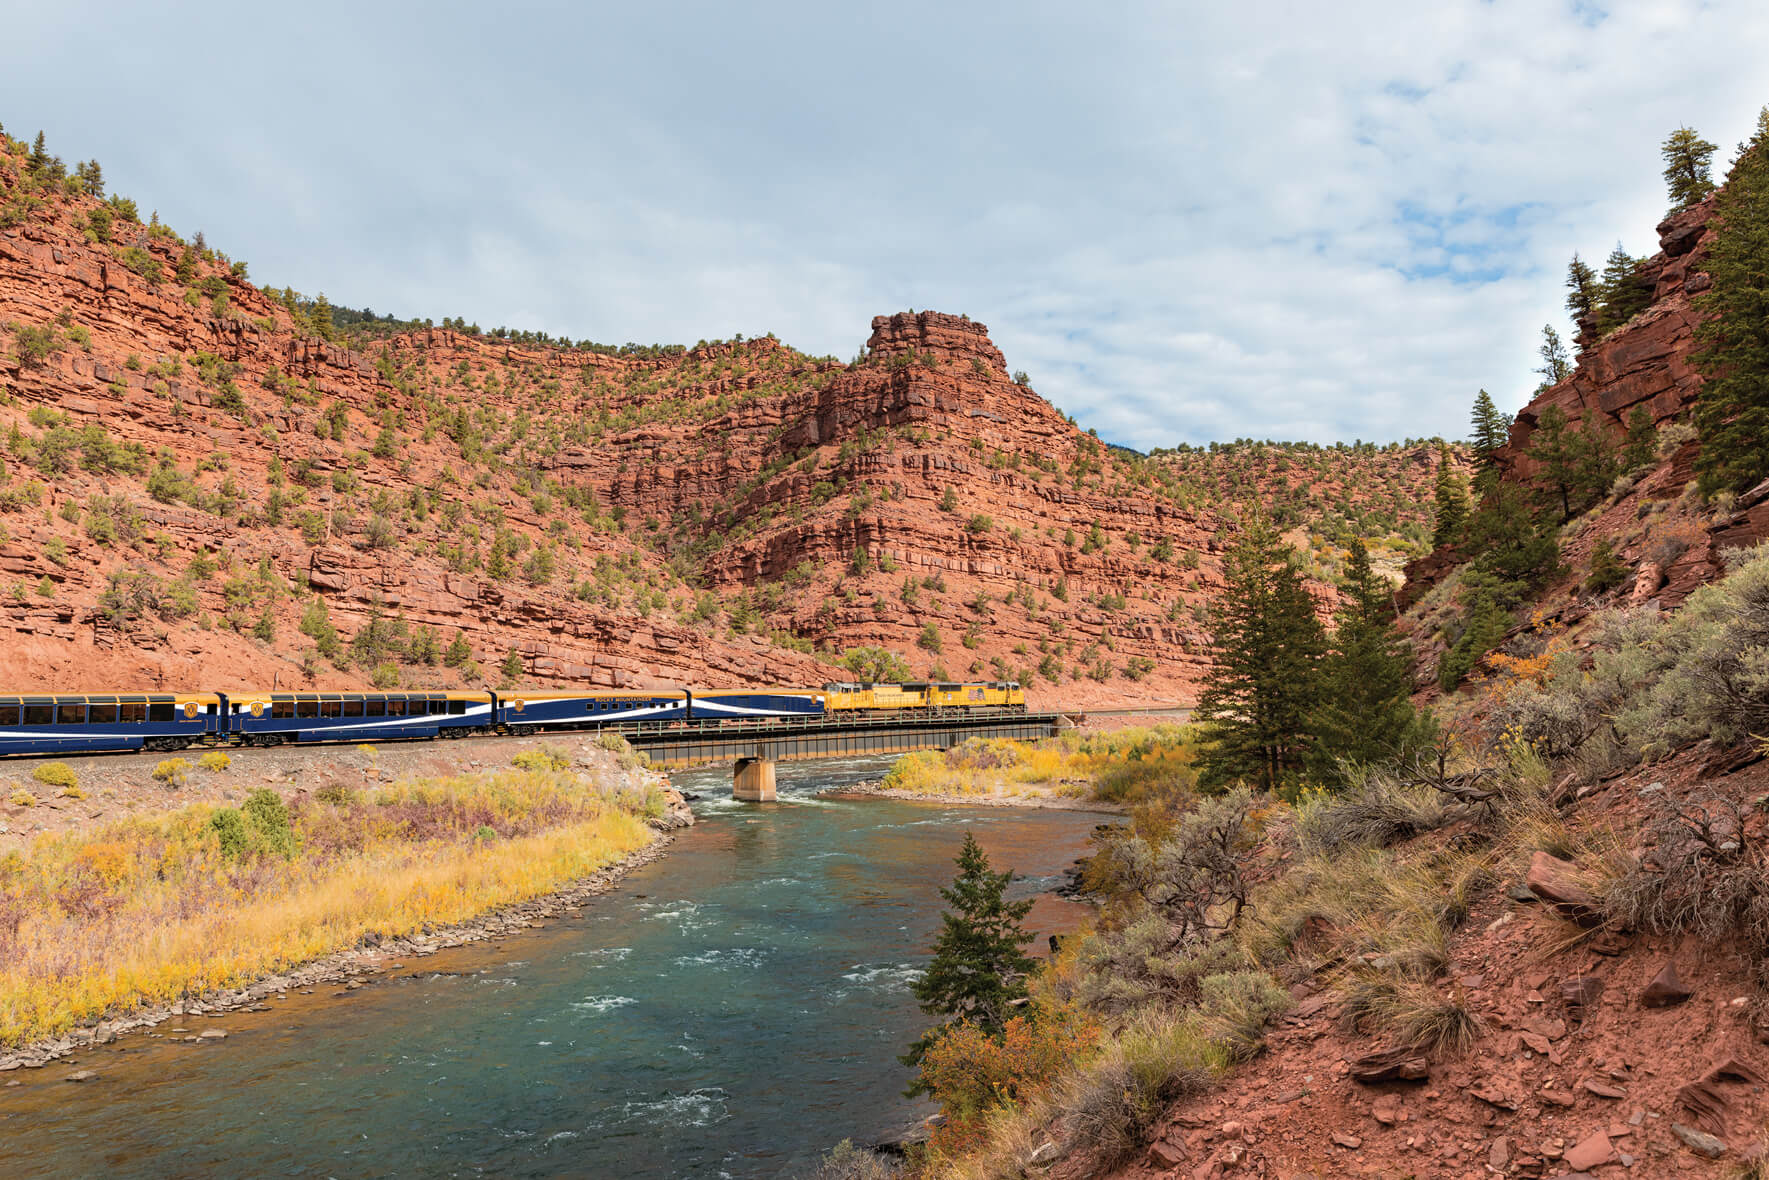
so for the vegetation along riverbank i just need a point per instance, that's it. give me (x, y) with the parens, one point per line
(1108, 771)
(115, 925)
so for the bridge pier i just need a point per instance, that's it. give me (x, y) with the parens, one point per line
(753, 780)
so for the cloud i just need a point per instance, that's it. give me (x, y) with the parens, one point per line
(1186, 222)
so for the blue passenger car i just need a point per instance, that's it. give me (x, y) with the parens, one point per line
(273, 718)
(81, 723)
(585, 710)
(754, 703)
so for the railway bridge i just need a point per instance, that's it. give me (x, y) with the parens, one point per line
(755, 746)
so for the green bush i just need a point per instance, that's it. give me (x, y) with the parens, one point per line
(550, 757)
(268, 817)
(56, 774)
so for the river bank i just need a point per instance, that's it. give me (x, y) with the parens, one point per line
(126, 923)
(1022, 795)
(734, 1007)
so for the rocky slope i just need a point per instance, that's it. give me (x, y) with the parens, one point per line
(199, 489)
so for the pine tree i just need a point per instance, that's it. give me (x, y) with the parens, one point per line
(513, 668)
(1626, 293)
(1364, 713)
(458, 652)
(1732, 410)
(1686, 167)
(1513, 541)
(91, 177)
(1491, 430)
(1640, 448)
(319, 317)
(1555, 446)
(1583, 292)
(978, 968)
(1450, 503)
(1555, 366)
(40, 157)
(1264, 677)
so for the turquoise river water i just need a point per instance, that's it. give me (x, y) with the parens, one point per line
(730, 1010)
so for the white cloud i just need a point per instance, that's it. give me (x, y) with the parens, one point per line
(1287, 220)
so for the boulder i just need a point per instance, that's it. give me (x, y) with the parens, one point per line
(1666, 989)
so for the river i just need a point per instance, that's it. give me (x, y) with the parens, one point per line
(730, 1010)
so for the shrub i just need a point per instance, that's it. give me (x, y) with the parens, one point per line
(548, 757)
(1375, 812)
(172, 772)
(1110, 1105)
(268, 817)
(33, 344)
(56, 774)
(215, 761)
(230, 831)
(22, 798)
(1235, 1007)
(622, 749)
(848, 1162)
(970, 1073)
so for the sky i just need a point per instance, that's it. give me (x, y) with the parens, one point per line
(1185, 221)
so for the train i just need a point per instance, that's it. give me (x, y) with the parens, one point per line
(91, 723)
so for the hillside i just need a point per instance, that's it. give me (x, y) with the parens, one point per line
(212, 483)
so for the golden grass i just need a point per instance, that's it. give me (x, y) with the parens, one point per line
(1121, 766)
(147, 910)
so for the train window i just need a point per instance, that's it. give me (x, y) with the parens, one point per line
(162, 711)
(66, 714)
(132, 712)
(457, 708)
(307, 708)
(282, 708)
(331, 708)
(376, 708)
(396, 708)
(102, 714)
(40, 714)
(9, 714)
(353, 707)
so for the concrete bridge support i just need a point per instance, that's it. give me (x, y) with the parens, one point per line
(753, 780)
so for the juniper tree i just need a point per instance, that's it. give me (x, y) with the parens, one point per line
(1364, 713)
(1264, 674)
(979, 966)
(1686, 157)
(1732, 410)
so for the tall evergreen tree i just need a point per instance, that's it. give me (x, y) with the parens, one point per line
(1490, 431)
(1640, 447)
(1450, 503)
(319, 317)
(979, 966)
(1732, 410)
(1264, 675)
(1686, 167)
(1555, 446)
(1555, 365)
(91, 177)
(1626, 293)
(1583, 291)
(1363, 713)
(40, 157)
